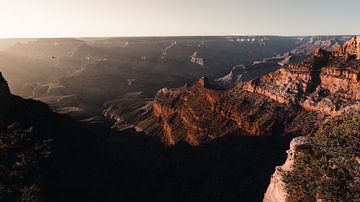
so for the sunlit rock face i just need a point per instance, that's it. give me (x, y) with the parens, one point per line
(335, 91)
(201, 113)
(328, 83)
(352, 47)
(276, 191)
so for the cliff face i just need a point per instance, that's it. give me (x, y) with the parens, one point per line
(335, 89)
(187, 114)
(276, 192)
(201, 113)
(328, 83)
(352, 47)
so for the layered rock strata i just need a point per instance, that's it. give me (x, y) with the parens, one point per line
(199, 114)
(291, 100)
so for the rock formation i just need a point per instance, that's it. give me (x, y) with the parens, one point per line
(196, 59)
(352, 47)
(328, 83)
(335, 92)
(201, 113)
(291, 100)
(276, 192)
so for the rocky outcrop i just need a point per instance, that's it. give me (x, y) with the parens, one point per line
(329, 90)
(201, 113)
(5, 97)
(322, 49)
(183, 111)
(276, 191)
(352, 48)
(328, 83)
(335, 91)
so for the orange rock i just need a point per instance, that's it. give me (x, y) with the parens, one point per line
(291, 100)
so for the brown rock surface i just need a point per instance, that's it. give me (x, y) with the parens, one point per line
(352, 47)
(276, 191)
(326, 83)
(198, 114)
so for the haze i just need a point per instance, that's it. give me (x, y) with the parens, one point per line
(69, 18)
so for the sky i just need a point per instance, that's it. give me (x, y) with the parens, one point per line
(92, 18)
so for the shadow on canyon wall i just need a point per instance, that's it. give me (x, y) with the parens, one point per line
(100, 165)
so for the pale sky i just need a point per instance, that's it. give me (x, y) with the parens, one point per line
(76, 18)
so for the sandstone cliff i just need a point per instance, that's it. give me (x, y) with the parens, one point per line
(352, 47)
(201, 113)
(328, 83)
(334, 90)
(276, 191)
(321, 167)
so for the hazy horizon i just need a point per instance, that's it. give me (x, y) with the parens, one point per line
(175, 36)
(140, 18)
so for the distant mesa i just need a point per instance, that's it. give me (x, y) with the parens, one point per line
(196, 59)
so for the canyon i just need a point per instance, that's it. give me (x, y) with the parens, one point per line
(224, 134)
(47, 156)
(289, 101)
